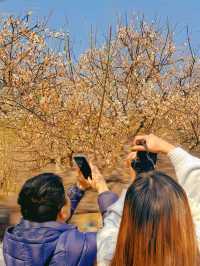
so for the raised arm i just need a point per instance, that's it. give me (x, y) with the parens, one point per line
(75, 194)
(98, 183)
(105, 199)
(187, 169)
(77, 191)
(107, 236)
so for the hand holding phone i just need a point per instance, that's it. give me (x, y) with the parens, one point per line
(83, 165)
(145, 160)
(91, 173)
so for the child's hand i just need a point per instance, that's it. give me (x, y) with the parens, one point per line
(82, 183)
(97, 182)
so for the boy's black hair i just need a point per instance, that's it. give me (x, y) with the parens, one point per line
(42, 197)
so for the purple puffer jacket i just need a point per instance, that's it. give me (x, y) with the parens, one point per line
(53, 243)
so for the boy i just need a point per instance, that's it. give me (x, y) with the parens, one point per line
(43, 237)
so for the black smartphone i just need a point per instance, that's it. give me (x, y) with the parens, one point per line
(144, 162)
(83, 165)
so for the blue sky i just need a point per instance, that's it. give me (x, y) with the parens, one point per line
(77, 16)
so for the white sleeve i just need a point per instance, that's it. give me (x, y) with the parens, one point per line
(1, 256)
(187, 169)
(107, 236)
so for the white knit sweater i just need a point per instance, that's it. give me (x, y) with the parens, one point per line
(187, 169)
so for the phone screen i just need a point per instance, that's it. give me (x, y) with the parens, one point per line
(84, 166)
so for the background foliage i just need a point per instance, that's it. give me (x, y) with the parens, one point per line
(52, 106)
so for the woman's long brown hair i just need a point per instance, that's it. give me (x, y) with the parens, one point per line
(156, 227)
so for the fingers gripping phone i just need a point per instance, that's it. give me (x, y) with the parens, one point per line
(145, 161)
(83, 165)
